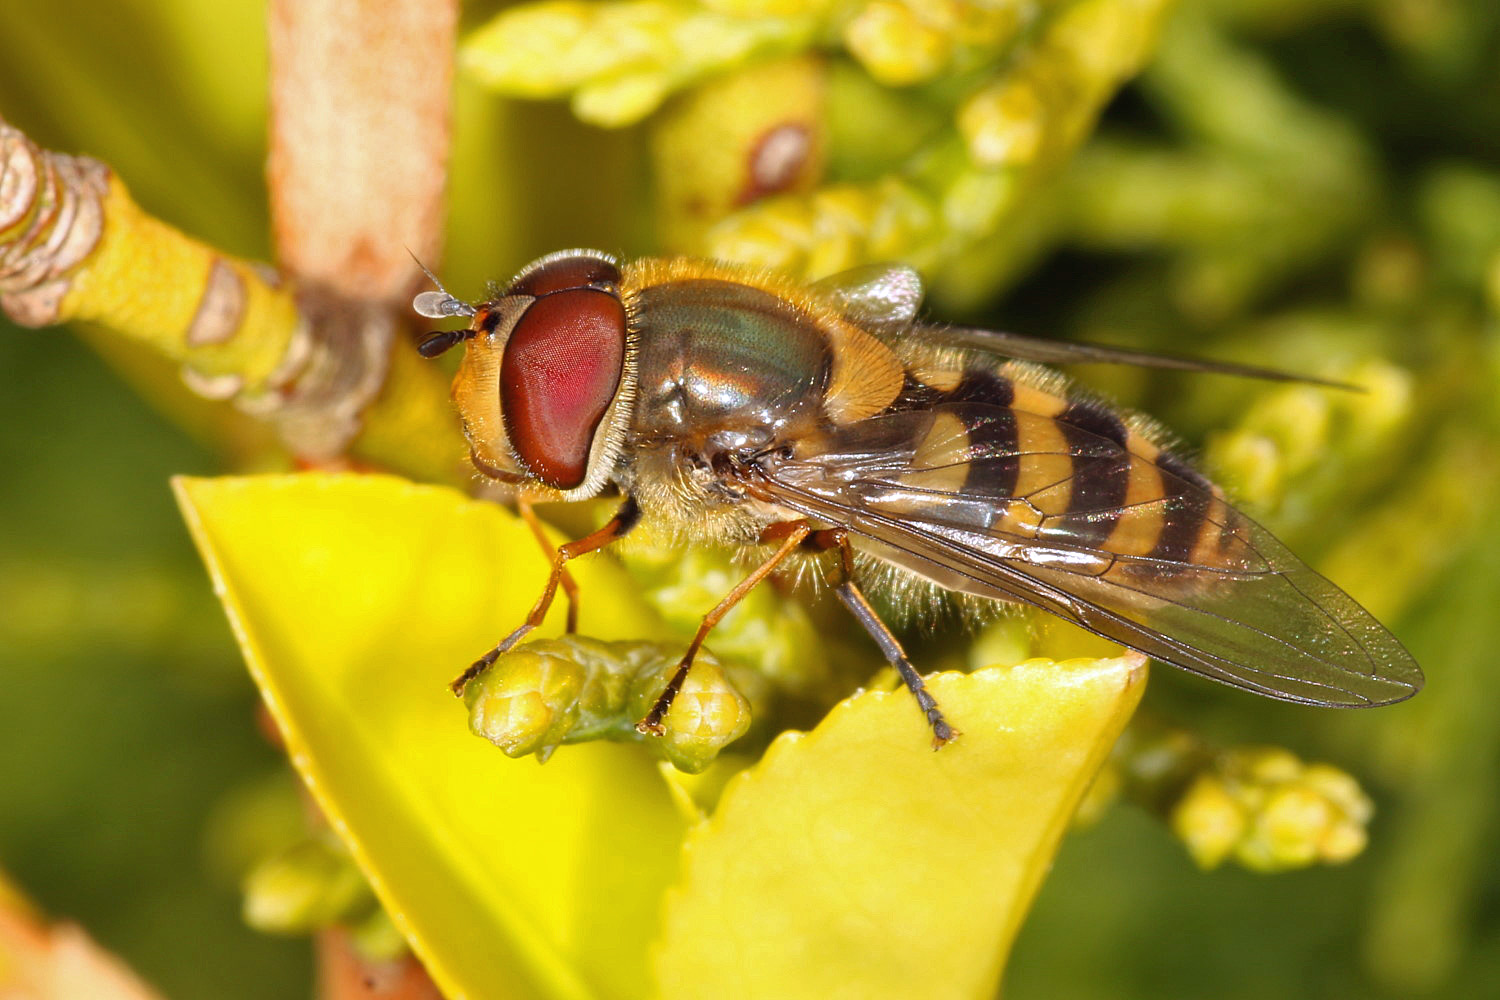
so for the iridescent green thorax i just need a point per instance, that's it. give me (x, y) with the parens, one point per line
(721, 358)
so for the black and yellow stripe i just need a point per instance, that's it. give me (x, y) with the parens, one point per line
(1048, 456)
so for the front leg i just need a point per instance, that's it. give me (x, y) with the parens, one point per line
(539, 532)
(625, 518)
(791, 534)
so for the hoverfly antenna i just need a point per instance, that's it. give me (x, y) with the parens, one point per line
(438, 341)
(440, 304)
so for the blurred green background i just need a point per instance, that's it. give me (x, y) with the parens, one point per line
(1313, 184)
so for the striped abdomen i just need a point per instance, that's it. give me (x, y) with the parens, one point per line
(1026, 460)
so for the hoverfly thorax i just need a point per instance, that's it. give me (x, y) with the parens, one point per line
(547, 376)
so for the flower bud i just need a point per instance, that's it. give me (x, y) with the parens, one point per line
(1271, 812)
(306, 887)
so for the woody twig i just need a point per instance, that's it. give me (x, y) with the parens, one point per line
(326, 365)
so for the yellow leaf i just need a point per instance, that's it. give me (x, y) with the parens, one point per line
(850, 861)
(355, 600)
(856, 862)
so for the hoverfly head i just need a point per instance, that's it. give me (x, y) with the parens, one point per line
(545, 385)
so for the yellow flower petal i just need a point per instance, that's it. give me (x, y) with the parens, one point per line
(854, 861)
(355, 600)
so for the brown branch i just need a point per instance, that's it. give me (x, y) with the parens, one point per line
(42, 961)
(360, 93)
(343, 974)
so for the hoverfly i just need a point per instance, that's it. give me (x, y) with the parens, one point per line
(730, 406)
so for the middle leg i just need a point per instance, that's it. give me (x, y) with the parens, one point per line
(791, 534)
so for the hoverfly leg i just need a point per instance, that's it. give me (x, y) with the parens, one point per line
(625, 519)
(486, 661)
(854, 599)
(791, 534)
(569, 586)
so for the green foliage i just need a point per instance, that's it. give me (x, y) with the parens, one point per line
(1305, 183)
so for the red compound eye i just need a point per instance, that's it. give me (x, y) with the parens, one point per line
(561, 368)
(564, 273)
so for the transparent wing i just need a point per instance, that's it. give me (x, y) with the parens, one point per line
(886, 297)
(1061, 352)
(1135, 548)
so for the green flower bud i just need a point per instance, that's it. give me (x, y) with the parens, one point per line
(621, 100)
(956, 192)
(377, 938)
(621, 60)
(572, 689)
(908, 41)
(707, 715)
(1003, 642)
(306, 887)
(895, 45)
(1047, 102)
(1299, 449)
(1209, 822)
(528, 701)
(832, 229)
(1004, 125)
(1271, 812)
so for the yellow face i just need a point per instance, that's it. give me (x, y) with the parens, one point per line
(476, 392)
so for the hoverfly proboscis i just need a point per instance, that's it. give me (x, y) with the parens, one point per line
(740, 407)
